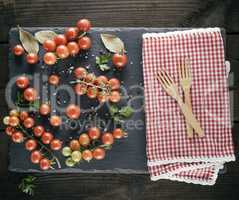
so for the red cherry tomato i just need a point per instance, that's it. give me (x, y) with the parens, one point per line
(38, 131)
(22, 82)
(74, 145)
(13, 121)
(60, 40)
(56, 144)
(94, 133)
(54, 79)
(90, 77)
(30, 94)
(102, 97)
(73, 48)
(36, 156)
(9, 130)
(45, 164)
(49, 58)
(115, 96)
(84, 43)
(62, 51)
(46, 137)
(84, 139)
(80, 89)
(114, 83)
(23, 115)
(49, 45)
(107, 138)
(45, 109)
(99, 153)
(119, 60)
(30, 144)
(17, 137)
(84, 25)
(92, 92)
(80, 72)
(87, 155)
(71, 33)
(32, 58)
(55, 120)
(73, 111)
(101, 80)
(118, 133)
(29, 122)
(18, 50)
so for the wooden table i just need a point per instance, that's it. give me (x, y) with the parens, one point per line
(153, 13)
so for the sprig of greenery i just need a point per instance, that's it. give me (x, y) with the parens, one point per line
(120, 114)
(27, 185)
(102, 61)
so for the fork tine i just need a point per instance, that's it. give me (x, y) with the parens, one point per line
(179, 71)
(170, 80)
(162, 78)
(161, 82)
(187, 61)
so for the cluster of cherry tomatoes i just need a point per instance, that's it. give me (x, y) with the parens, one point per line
(32, 140)
(62, 46)
(100, 87)
(79, 149)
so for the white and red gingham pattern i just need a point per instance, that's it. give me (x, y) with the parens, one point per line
(171, 154)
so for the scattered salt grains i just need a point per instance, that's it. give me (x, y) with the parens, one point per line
(131, 63)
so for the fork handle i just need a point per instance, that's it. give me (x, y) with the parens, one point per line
(187, 98)
(190, 118)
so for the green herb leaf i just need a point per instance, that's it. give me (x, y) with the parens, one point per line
(126, 111)
(113, 109)
(27, 185)
(104, 67)
(102, 61)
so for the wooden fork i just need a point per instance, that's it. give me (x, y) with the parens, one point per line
(185, 80)
(171, 89)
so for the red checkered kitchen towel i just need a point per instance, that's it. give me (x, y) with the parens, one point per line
(171, 154)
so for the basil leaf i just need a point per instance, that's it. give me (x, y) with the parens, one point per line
(126, 111)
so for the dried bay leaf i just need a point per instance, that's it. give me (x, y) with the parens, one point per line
(112, 43)
(41, 36)
(28, 41)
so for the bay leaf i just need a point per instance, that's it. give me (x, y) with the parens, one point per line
(113, 43)
(41, 36)
(28, 41)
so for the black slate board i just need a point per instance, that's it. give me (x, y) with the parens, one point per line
(127, 155)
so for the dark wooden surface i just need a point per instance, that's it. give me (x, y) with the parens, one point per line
(150, 13)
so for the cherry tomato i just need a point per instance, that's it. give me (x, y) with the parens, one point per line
(73, 48)
(80, 72)
(84, 139)
(101, 80)
(92, 92)
(73, 111)
(80, 89)
(22, 82)
(114, 83)
(36, 156)
(30, 94)
(32, 58)
(84, 25)
(56, 144)
(29, 122)
(74, 145)
(115, 96)
(119, 60)
(17, 137)
(18, 50)
(87, 155)
(54, 79)
(55, 120)
(102, 97)
(30, 144)
(118, 133)
(45, 164)
(38, 131)
(23, 115)
(46, 137)
(49, 58)
(71, 33)
(9, 130)
(94, 133)
(90, 77)
(45, 109)
(99, 153)
(13, 121)
(62, 51)
(60, 40)
(84, 43)
(107, 138)
(49, 45)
